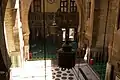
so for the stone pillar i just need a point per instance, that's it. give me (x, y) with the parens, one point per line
(108, 71)
(90, 22)
(26, 46)
(25, 5)
(26, 52)
(102, 15)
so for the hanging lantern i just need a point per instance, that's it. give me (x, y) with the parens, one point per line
(53, 27)
(66, 57)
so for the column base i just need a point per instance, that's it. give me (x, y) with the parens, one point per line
(108, 71)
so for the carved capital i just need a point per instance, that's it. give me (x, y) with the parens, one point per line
(26, 39)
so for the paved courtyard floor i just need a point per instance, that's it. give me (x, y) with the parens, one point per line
(36, 70)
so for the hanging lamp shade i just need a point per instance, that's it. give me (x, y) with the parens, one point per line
(66, 57)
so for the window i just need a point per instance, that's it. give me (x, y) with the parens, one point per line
(73, 7)
(71, 34)
(64, 33)
(64, 5)
(37, 5)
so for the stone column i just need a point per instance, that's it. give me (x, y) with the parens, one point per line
(102, 16)
(26, 52)
(108, 71)
(25, 5)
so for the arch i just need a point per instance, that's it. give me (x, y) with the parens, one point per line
(25, 5)
(24, 10)
(3, 48)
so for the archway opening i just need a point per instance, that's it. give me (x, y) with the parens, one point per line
(47, 37)
(59, 21)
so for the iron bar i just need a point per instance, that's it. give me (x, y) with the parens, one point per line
(44, 36)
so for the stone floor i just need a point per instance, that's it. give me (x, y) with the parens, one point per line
(36, 70)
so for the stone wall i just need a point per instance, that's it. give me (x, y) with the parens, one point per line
(99, 24)
(10, 31)
(113, 40)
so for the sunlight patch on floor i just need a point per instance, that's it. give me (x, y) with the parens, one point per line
(32, 70)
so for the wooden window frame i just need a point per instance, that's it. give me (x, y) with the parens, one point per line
(64, 5)
(37, 5)
(73, 7)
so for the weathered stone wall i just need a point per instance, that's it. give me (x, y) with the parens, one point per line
(112, 31)
(100, 16)
(113, 40)
(11, 32)
(9, 24)
(101, 20)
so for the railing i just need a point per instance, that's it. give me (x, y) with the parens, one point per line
(98, 59)
(71, 19)
(36, 19)
(39, 16)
